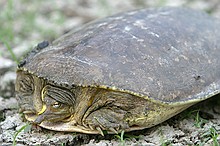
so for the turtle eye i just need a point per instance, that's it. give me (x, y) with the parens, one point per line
(24, 84)
(56, 105)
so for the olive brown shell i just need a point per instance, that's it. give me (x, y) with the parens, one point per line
(166, 54)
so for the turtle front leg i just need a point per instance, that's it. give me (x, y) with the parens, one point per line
(109, 111)
(107, 118)
(102, 109)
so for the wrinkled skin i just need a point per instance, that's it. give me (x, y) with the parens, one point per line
(89, 108)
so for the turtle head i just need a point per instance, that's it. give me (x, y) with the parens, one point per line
(40, 101)
(57, 103)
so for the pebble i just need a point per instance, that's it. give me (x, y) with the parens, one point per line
(11, 122)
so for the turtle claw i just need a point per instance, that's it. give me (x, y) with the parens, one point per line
(91, 127)
(100, 131)
(113, 130)
(85, 125)
(81, 127)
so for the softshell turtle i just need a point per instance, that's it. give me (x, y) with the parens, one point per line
(125, 72)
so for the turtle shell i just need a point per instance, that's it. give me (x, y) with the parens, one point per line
(167, 54)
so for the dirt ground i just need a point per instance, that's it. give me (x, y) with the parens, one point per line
(24, 23)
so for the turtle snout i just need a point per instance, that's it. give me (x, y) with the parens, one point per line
(39, 119)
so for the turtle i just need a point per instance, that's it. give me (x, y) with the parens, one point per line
(125, 72)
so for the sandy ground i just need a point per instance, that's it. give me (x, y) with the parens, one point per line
(30, 22)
